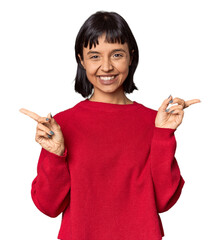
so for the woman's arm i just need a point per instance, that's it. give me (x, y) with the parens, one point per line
(51, 186)
(165, 171)
(168, 182)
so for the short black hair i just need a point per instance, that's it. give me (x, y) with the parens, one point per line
(117, 30)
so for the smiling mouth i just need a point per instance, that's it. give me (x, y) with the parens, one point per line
(107, 77)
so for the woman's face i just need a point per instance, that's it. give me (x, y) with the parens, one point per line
(106, 65)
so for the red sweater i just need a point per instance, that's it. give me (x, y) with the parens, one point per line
(118, 172)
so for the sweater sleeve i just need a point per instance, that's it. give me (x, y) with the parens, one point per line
(51, 187)
(168, 182)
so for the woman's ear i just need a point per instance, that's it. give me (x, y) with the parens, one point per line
(131, 57)
(81, 61)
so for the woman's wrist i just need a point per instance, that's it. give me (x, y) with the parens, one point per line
(165, 135)
(60, 151)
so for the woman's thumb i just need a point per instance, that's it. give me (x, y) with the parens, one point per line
(49, 115)
(52, 120)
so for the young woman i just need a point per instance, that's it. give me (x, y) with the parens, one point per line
(107, 164)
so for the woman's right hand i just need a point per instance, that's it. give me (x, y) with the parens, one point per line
(48, 133)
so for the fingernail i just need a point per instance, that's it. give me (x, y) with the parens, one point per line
(172, 111)
(49, 136)
(167, 110)
(169, 96)
(171, 101)
(51, 132)
(47, 119)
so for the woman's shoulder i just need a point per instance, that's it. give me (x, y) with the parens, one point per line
(147, 114)
(147, 110)
(66, 114)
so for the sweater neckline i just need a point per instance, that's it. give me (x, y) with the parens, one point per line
(109, 106)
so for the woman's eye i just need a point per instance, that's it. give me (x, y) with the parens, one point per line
(117, 55)
(94, 57)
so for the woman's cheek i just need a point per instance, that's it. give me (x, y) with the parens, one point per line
(123, 66)
(91, 70)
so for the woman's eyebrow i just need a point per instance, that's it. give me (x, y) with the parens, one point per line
(115, 50)
(119, 50)
(92, 52)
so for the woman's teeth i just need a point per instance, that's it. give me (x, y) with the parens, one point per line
(107, 78)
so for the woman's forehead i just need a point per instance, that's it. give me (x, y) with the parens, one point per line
(103, 44)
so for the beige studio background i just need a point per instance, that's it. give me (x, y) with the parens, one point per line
(179, 55)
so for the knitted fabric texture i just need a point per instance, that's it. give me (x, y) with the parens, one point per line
(118, 172)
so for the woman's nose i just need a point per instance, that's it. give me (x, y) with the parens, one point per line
(106, 65)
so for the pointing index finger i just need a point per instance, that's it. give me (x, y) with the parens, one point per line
(190, 102)
(30, 114)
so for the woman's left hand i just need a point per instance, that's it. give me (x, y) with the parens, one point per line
(172, 117)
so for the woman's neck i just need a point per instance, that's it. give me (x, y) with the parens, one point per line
(123, 100)
(117, 97)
